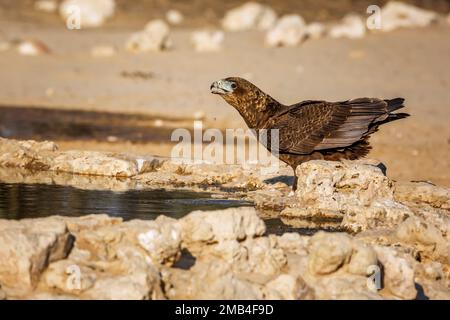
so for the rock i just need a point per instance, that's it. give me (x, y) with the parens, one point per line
(396, 14)
(288, 287)
(94, 163)
(381, 213)
(315, 30)
(103, 51)
(48, 6)
(341, 185)
(221, 225)
(174, 17)
(26, 154)
(207, 40)
(154, 37)
(26, 248)
(32, 48)
(328, 252)
(162, 240)
(352, 27)
(398, 273)
(426, 237)
(423, 192)
(289, 30)
(249, 16)
(92, 13)
(363, 257)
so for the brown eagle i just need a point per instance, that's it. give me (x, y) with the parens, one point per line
(310, 129)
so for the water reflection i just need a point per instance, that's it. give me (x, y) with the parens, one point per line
(18, 201)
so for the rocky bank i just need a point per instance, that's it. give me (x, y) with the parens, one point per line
(394, 241)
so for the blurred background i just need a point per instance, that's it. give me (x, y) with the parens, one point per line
(121, 75)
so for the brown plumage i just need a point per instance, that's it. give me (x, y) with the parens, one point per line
(311, 130)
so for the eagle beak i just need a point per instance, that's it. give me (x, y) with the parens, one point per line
(221, 87)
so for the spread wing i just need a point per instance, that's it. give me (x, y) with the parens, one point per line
(317, 125)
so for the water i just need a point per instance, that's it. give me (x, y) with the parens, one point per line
(19, 201)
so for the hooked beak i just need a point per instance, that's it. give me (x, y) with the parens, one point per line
(221, 87)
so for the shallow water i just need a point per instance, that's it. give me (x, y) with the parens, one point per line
(18, 201)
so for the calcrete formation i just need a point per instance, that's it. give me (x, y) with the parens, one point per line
(384, 239)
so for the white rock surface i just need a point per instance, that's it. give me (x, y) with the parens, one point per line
(289, 30)
(316, 30)
(92, 13)
(154, 37)
(396, 14)
(174, 17)
(352, 27)
(248, 16)
(46, 5)
(32, 48)
(205, 40)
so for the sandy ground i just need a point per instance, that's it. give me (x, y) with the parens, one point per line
(413, 64)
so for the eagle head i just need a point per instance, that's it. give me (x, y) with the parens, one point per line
(232, 86)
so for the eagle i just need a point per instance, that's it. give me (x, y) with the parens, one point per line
(311, 129)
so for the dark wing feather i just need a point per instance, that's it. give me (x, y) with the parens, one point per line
(318, 125)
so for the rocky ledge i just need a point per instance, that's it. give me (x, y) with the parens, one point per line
(396, 243)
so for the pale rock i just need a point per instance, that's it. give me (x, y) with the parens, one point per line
(162, 241)
(396, 14)
(92, 13)
(220, 225)
(94, 163)
(426, 236)
(26, 154)
(212, 279)
(315, 30)
(48, 6)
(344, 287)
(154, 37)
(363, 257)
(328, 252)
(103, 51)
(259, 257)
(174, 17)
(398, 273)
(340, 186)
(423, 192)
(288, 287)
(32, 48)
(27, 247)
(352, 27)
(205, 41)
(381, 213)
(290, 30)
(249, 16)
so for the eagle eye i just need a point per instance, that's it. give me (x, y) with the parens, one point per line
(233, 86)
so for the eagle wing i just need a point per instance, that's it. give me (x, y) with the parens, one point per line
(317, 125)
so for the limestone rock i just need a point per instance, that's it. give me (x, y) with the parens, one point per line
(315, 30)
(220, 225)
(288, 287)
(46, 5)
(26, 248)
(352, 27)
(423, 192)
(154, 37)
(101, 51)
(328, 252)
(398, 272)
(341, 185)
(32, 48)
(248, 16)
(396, 14)
(205, 40)
(174, 17)
(92, 13)
(289, 30)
